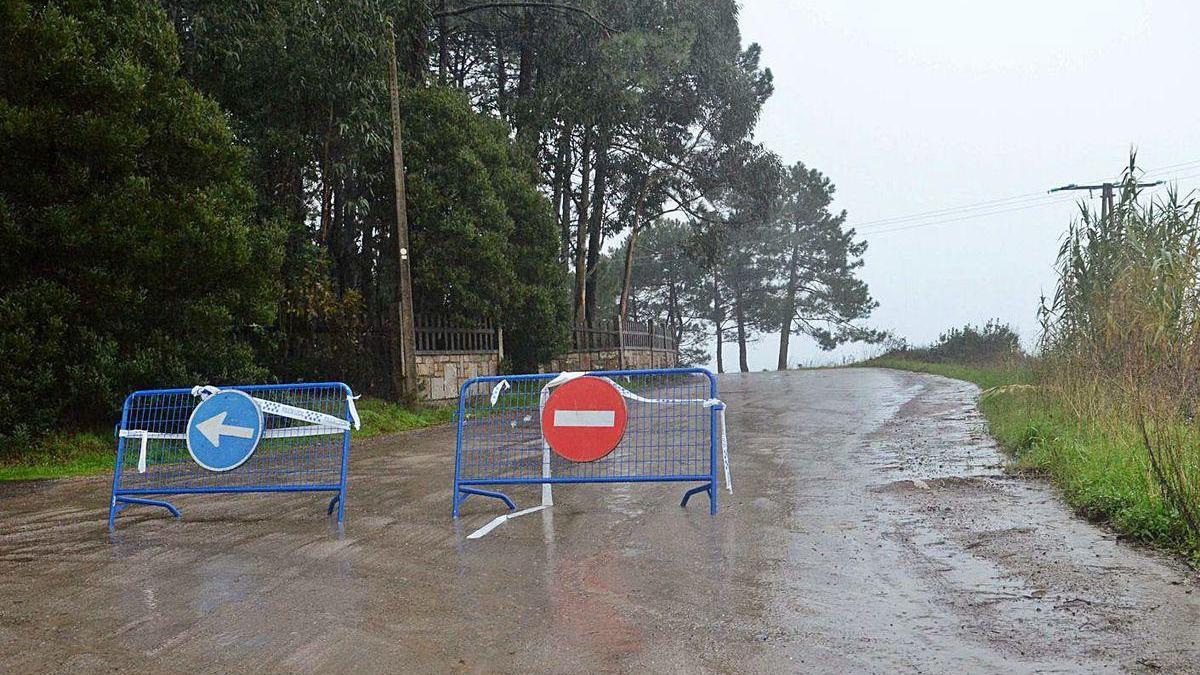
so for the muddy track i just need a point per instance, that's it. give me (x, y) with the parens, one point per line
(872, 530)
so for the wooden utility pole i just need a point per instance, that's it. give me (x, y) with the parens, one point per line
(1106, 194)
(404, 336)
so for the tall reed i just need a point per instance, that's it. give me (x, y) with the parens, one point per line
(1121, 337)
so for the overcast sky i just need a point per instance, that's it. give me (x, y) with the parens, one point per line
(924, 106)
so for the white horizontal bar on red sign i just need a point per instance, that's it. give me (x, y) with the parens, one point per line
(585, 418)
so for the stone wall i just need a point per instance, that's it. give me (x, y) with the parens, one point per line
(441, 375)
(609, 359)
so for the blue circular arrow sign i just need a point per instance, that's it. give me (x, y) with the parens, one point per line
(224, 430)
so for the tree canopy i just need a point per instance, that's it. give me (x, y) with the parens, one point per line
(197, 191)
(131, 252)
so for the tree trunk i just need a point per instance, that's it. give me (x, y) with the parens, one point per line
(443, 44)
(523, 125)
(501, 76)
(789, 303)
(581, 229)
(739, 317)
(417, 60)
(718, 321)
(334, 242)
(627, 277)
(595, 224)
(785, 334)
(672, 302)
(720, 356)
(326, 194)
(562, 194)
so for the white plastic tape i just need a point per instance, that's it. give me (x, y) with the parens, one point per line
(562, 378)
(353, 411)
(498, 389)
(320, 423)
(293, 412)
(725, 450)
(500, 520)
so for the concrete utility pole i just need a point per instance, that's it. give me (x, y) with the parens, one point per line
(404, 347)
(1106, 193)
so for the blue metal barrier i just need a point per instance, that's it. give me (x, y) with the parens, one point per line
(670, 433)
(190, 441)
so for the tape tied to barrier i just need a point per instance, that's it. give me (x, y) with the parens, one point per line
(319, 423)
(562, 378)
(714, 403)
(500, 387)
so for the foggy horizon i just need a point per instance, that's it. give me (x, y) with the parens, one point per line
(937, 106)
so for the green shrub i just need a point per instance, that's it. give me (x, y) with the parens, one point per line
(130, 255)
(994, 342)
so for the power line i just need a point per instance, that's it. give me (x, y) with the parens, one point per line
(1176, 178)
(1151, 172)
(1033, 196)
(1004, 205)
(969, 217)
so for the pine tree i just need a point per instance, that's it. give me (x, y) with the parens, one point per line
(821, 296)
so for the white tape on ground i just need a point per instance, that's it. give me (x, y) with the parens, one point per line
(500, 520)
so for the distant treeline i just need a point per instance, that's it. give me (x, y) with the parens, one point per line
(994, 343)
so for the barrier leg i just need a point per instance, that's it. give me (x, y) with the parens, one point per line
(696, 490)
(467, 492)
(114, 509)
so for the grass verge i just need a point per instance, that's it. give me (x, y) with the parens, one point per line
(1100, 465)
(93, 452)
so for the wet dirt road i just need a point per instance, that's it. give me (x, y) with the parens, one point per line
(872, 530)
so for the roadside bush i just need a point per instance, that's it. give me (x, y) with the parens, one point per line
(992, 343)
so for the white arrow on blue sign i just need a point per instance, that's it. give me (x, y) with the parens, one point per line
(224, 430)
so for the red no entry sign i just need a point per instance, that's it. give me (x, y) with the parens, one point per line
(584, 419)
